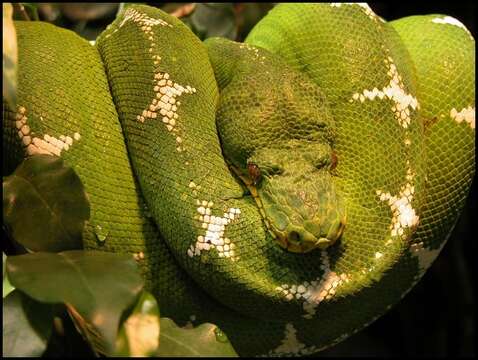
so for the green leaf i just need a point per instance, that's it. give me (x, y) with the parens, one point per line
(26, 325)
(32, 10)
(45, 205)
(7, 287)
(212, 19)
(96, 288)
(204, 340)
(139, 333)
(10, 56)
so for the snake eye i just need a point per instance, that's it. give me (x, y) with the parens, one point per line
(254, 172)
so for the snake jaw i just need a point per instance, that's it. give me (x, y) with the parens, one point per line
(295, 237)
(303, 241)
(299, 220)
(300, 248)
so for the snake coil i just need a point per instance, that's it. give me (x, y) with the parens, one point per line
(355, 138)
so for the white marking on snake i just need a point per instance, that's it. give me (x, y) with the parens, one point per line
(403, 214)
(164, 103)
(452, 21)
(291, 346)
(49, 145)
(466, 114)
(143, 20)
(425, 256)
(365, 8)
(313, 292)
(290, 343)
(215, 227)
(195, 188)
(395, 91)
(254, 50)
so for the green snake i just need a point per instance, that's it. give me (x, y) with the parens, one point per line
(289, 189)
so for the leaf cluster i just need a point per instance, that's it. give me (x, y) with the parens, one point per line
(61, 300)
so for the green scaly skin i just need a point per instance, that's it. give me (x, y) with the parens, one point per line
(286, 133)
(402, 190)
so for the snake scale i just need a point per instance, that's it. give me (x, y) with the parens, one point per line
(290, 189)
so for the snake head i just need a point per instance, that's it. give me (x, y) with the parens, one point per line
(277, 134)
(294, 188)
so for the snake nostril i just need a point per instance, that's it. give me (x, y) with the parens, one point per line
(294, 237)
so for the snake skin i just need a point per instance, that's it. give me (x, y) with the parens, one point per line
(135, 117)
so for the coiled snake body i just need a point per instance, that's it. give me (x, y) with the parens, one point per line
(354, 138)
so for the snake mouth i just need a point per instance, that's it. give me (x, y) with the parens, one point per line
(301, 229)
(302, 241)
(297, 242)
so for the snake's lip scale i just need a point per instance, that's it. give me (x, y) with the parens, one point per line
(300, 247)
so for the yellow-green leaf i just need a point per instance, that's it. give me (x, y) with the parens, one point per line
(139, 333)
(7, 287)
